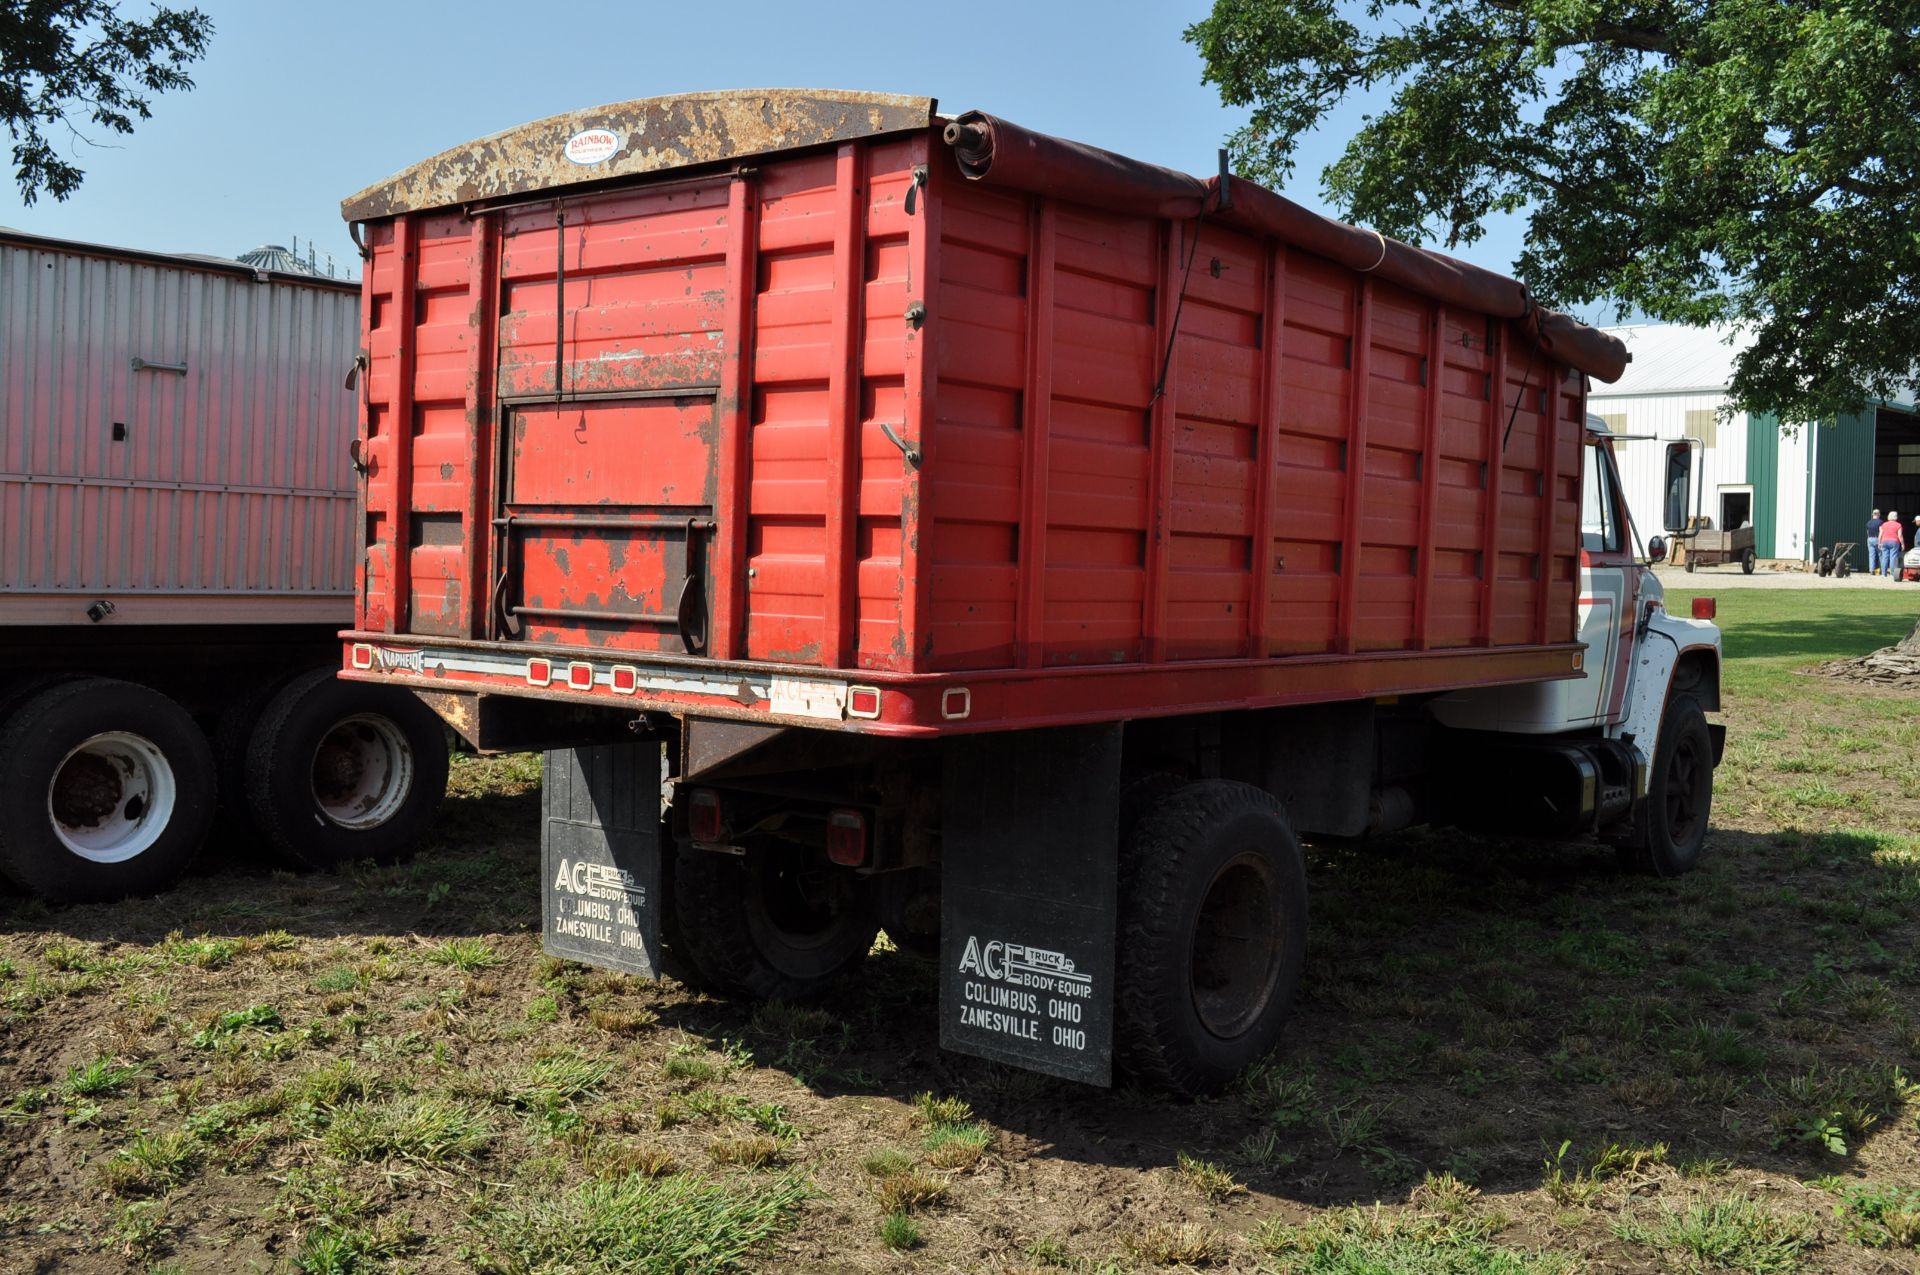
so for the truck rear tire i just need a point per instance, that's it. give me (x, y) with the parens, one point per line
(1213, 935)
(776, 924)
(106, 790)
(339, 771)
(1670, 827)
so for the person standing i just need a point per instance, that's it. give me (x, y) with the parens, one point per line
(1893, 543)
(1873, 544)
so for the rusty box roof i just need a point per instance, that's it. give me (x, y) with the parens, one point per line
(645, 135)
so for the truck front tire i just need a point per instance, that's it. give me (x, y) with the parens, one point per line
(776, 923)
(1670, 828)
(339, 771)
(106, 790)
(1213, 935)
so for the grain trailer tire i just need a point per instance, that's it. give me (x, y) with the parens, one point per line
(1670, 827)
(232, 737)
(339, 771)
(773, 923)
(1213, 935)
(106, 790)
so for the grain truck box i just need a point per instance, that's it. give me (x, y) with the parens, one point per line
(1012, 544)
(177, 533)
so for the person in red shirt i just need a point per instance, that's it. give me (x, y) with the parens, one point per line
(1893, 543)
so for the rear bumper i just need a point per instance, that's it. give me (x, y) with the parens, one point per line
(886, 703)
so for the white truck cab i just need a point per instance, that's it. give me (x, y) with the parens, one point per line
(1648, 679)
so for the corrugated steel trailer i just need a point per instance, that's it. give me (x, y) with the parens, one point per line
(794, 427)
(177, 516)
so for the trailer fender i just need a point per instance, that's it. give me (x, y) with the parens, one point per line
(1029, 894)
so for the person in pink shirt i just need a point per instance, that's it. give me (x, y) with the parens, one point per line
(1893, 543)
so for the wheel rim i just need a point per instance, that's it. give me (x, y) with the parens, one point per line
(362, 772)
(798, 900)
(1235, 962)
(112, 797)
(1686, 800)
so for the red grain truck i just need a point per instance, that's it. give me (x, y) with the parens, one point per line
(177, 533)
(1011, 544)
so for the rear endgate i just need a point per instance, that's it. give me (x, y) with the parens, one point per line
(605, 524)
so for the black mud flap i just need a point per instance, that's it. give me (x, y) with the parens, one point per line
(1029, 884)
(600, 856)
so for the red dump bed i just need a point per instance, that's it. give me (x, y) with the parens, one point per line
(772, 408)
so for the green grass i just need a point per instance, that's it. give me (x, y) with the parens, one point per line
(957, 1146)
(1209, 1179)
(223, 1028)
(643, 1225)
(151, 1163)
(429, 1129)
(886, 1162)
(471, 955)
(100, 1078)
(899, 1232)
(1731, 1233)
(1881, 1216)
(1371, 1242)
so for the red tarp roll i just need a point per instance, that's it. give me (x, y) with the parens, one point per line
(991, 150)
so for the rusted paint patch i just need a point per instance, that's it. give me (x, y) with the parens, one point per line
(657, 134)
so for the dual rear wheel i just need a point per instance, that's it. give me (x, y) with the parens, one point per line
(1212, 934)
(108, 788)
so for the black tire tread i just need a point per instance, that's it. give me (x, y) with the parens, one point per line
(20, 732)
(711, 933)
(274, 818)
(232, 737)
(1636, 850)
(1152, 861)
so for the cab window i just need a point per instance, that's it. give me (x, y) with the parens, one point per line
(1600, 530)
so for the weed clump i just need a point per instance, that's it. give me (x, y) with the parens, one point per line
(638, 1223)
(1212, 1182)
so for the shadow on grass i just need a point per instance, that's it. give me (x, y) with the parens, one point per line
(1469, 1006)
(1816, 637)
(476, 873)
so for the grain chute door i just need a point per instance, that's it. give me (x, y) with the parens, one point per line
(607, 523)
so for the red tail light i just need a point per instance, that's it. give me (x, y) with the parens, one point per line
(847, 838)
(705, 819)
(1704, 609)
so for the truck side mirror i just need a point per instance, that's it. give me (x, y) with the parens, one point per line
(1679, 485)
(1657, 549)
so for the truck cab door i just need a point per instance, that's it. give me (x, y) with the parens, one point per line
(1609, 581)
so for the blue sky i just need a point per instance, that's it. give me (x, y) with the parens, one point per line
(298, 106)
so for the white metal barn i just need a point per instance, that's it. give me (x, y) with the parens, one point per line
(1803, 489)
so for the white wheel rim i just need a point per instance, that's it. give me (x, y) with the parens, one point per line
(362, 772)
(111, 798)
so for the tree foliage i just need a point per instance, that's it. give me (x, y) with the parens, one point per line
(68, 64)
(1746, 161)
